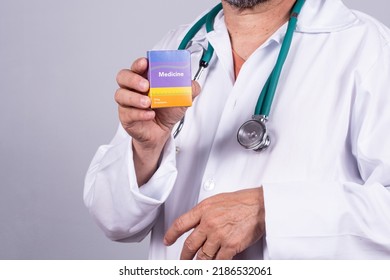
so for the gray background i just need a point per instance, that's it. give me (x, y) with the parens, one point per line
(58, 62)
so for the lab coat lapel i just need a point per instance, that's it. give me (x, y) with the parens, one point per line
(219, 39)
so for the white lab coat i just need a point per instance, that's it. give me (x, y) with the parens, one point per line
(326, 175)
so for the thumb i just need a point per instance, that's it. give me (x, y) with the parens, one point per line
(140, 66)
(195, 89)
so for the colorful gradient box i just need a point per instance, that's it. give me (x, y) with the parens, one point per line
(170, 78)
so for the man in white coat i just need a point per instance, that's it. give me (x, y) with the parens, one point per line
(320, 191)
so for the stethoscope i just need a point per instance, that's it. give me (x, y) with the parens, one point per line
(253, 134)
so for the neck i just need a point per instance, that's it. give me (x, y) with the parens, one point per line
(250, 28)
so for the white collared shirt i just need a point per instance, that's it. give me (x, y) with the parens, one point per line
(326, 175)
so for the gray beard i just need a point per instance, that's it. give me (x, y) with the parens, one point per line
(244, 4)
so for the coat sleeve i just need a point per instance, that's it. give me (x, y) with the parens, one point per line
(121, 208)
(341, 220)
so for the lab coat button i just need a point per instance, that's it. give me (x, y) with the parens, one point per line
(209, 185)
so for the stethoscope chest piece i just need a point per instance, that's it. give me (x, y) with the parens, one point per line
(253, 135)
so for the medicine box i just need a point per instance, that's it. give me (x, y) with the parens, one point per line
(169, 76)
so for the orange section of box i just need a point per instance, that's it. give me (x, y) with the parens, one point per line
(171, 97)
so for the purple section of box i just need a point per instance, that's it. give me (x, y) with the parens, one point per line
(169, 68)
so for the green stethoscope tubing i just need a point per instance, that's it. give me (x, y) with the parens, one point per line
(267, 94)
(264, 102)
(208, 20)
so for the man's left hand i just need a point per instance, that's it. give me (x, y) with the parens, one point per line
(224, 225)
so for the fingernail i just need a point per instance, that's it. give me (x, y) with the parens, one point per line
(149, 114)
(145, 102)
(166, 242)
(144, 84)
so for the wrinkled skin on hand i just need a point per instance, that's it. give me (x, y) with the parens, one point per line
(223, 225)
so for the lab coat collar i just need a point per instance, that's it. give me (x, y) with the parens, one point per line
(317, 16)
(325, 16)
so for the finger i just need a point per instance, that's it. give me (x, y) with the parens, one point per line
(140, 66)
(225, 254)
(129, 116)
(131, 80)
(209, 250)
(202, 255)
(126, 98)
(195, 89)
(181, 225)
(192, 244)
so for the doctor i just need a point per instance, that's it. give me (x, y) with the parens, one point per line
(319, 191)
